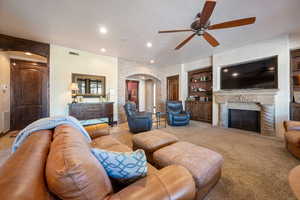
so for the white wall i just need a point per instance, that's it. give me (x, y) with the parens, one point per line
(278, 46)
(4, 93)
(142, 95)
(62, 65)
(295, 41)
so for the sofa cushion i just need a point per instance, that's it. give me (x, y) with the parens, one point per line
(22, 175)
(72, 171)
(110, 143)
(152, 140)
(97, 130)
(124, 167)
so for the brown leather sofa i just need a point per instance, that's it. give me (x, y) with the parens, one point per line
(58, 164)
(292, 137)
(294, 180)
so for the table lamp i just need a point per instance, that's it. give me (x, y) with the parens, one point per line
(74, 88)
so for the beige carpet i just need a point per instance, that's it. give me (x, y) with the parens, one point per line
(255, 168)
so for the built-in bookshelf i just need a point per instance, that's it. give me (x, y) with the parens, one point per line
(199, 101)
(295, 85)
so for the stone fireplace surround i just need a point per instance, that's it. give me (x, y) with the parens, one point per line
(258, 100)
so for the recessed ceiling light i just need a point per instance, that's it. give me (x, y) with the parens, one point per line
(34, 63)
(152, 61)
(225, 70)
(28, 53)
(235, 74)
(103, 50)
(103, 30)
(149, 44)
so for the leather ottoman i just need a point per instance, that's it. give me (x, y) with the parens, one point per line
(151, 141)
(205, 165)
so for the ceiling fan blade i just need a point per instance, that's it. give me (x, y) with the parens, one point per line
(234, 23)
(175, 31)
(185, 41)
(210, 39)
(207, 12)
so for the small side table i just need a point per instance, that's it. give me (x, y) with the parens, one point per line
(160, 117)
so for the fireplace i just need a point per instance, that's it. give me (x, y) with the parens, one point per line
(248, 120)
(261, 101)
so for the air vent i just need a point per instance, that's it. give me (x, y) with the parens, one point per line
(73, 53)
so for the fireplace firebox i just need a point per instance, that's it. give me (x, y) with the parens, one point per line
(244, 119)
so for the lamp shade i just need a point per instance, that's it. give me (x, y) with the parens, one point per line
(74, 87)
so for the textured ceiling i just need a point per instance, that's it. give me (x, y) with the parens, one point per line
(132, 23)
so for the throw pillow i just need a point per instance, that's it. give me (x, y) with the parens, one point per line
(124, 167)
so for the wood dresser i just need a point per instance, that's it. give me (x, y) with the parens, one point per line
(86, 111)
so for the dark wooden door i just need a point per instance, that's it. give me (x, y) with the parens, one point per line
(173, 88)
(29, 93)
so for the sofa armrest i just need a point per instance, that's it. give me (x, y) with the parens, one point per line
(294, 181)
(291, 125)
(172, 182)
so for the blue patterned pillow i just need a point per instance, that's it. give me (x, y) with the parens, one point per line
(123, 167)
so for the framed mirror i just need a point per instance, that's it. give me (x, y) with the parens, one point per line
(89, 85)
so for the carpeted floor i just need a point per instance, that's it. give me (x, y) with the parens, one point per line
(255, 167)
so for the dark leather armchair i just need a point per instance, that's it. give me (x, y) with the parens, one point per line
(137, 121)
(176, 115)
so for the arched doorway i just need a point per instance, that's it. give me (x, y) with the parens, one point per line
(145, 90)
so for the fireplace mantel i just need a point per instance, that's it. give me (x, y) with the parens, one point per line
(262, 100)
(266, 96)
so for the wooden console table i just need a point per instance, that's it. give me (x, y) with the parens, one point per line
(87, 111)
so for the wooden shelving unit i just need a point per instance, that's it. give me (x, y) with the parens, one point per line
(295, 85)
(199, 101)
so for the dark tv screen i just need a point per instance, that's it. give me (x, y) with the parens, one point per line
(260, 74)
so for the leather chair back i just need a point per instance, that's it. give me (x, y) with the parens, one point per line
(130, 109)
(174, 107)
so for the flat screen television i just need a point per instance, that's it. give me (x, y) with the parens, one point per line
(261, 74)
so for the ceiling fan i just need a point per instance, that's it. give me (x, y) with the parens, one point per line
(202, 24)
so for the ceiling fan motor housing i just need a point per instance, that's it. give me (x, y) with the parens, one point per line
(196, 26)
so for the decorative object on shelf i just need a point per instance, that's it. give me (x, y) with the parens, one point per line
(74, 88)
(297, 96)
